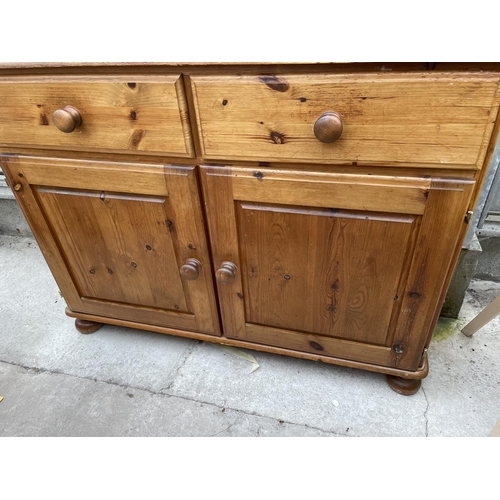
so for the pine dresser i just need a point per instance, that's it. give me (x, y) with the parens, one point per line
(311, 210)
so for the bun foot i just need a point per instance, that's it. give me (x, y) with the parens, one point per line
(84, 326)
(404, 386)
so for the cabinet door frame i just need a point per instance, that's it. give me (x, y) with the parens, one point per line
(178, 183)
(441, 204)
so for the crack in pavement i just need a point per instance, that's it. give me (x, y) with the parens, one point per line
(425, 413)
(190, 351)
(226, 429)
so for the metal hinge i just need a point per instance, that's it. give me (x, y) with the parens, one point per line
(468, 216)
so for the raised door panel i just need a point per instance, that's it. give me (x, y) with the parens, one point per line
(347, 266)
(119, 246)
(116, 247)
(323, 271)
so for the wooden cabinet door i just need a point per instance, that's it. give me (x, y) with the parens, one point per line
(116, 236)
(342, 265)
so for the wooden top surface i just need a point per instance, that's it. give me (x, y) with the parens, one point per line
(37, 67)
(176, 64)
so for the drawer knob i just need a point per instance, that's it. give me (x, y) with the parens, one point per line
(191, 269)
(67, 119)
(328, 127)
(226, 273)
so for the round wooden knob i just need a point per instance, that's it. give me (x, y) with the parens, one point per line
(226, 273)
(67, 119)
(191, 269)
(328, 127)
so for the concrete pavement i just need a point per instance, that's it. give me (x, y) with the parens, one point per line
(124, 382)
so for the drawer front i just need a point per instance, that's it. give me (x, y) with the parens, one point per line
(399, 119)
(126, 114)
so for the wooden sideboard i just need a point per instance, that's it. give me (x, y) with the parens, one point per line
(312, 210)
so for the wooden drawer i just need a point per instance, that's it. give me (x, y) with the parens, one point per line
(118, 114)
(444, 119)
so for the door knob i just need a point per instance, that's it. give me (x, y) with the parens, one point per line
(328, 127)
(67, 119)
(191, 269)
(226, 273)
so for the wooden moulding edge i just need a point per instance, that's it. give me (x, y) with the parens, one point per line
(419, 374)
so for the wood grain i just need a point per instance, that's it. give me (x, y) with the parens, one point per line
(402, 170)
(119, 246)
(118, 253)
(327, 346)
(131, 178)
(139, 313)
(495, 135)
(296, 262)
(385, 270)
(342, 251)
(326, 190)
(436, 118)
(188, 228)
(435, 249)
(121, 115)
(420, 373)
(12, 167)
(320, 271)
(221, 219)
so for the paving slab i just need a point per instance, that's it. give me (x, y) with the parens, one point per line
(12, 220)
(36, 333)
(336, 399)
(47, 404)
(460, 397)
(463, 386)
